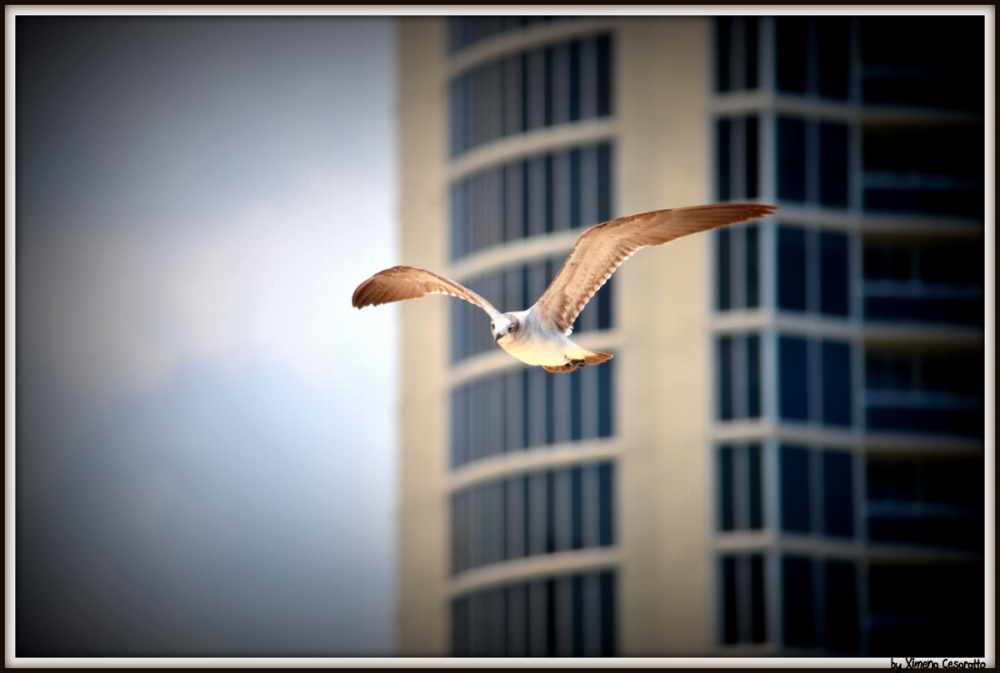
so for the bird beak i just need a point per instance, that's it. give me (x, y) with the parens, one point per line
(496, 337)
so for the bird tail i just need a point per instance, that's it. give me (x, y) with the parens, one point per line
(595, 358)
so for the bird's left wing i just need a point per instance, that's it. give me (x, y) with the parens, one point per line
(602, 249)
(413, 282)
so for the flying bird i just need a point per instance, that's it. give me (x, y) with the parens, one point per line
(540, 334)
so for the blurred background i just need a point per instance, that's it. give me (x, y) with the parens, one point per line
(205, 432)
(216, 455)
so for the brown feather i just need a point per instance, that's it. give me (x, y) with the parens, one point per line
(602, 249)
(412, 282)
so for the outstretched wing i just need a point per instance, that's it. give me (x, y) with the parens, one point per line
(602, 249)
(413, 282)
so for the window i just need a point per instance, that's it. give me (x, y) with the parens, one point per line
(739, 376)
(736, 53)
(819, 601)
(813, 162)
(737, 158)
(561, 616)
(527, 408)
(738, 264)
(936, 61)
(813, 55)
(935, 501)
(814, 381)
(537, 195)
(740, 488)
(743, 603)
(931, 170)
(465, 31)
(943, 619)
(817, 493)
(533, 514)
(913, 391)
(535, 89)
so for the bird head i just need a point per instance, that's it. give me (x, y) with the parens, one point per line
(504, 325)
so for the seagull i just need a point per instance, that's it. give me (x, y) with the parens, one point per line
(540, 334)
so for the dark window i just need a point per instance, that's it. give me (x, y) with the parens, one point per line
(833, 164)
(538, 88)
(834, 56)
(934, 170)
(740, 506)
(726, 378)
(797, 598)
(723, 142)
(791, 159)
(925, 392)
(841, 607)
(739, 376)
(743, 606)
(791, 57)
(606, 503)
(727, 519)
(945, 618)
(736, 56)
(795, 505)
(838, 494)
(533, 514)
(567, 615)
(529, 408)
(531, 197)
(737, 160)
(791, 269)
(793, 377)
(836, 383)
(813, 259)
(928, 501)
(833, 277)
(933, 61)
(738, 263)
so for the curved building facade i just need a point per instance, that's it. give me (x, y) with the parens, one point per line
(775, 451)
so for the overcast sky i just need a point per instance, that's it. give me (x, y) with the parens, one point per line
(205, 427)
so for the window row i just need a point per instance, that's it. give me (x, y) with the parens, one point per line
(924, 281)
(816, 493)
(932, 169)
(814, 379)
(819, 602)
(927, 609)
(813, 164)
(465, 31)
(904, 280)
(562, 616)
(517, 288)
(533, 514)
(926, 500)
(537, 195)
(935, 501)
(933, 61)
(546, 86)
(925, 391)
(529, 408)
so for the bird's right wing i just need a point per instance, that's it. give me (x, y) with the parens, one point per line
(602, 248)
(413, 282)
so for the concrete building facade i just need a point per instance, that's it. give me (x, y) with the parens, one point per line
(772, 457)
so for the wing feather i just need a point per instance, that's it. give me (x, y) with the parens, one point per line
(602, 249)
(413, 282)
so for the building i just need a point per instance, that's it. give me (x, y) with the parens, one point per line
(790, 437)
